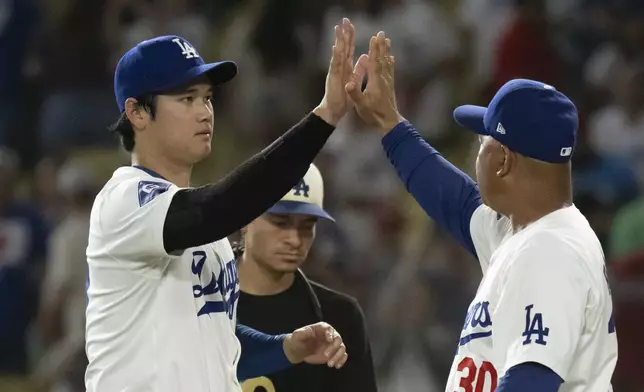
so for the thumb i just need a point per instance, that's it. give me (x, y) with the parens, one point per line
(354, 93)
(353, 87)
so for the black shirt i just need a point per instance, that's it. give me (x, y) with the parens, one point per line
(295, 308)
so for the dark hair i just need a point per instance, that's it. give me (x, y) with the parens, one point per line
(123, 126)
(238, 247)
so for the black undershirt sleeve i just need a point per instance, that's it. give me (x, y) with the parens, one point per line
(198, 216)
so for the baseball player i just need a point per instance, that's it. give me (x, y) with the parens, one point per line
(163, 286)
(541, 319)
(276, 296)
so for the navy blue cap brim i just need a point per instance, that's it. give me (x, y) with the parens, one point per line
(300, 208)
(471, 117)
(218, 73)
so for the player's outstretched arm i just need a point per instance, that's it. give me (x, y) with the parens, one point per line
(447, 195)
(263, 354)
(203, 215)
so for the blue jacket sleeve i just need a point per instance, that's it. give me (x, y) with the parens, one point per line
(447, 195)
(261, 354)
(529, 377)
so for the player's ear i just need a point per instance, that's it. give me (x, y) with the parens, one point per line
(507, 160)
(136, 114)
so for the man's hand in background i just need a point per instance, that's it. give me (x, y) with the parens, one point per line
(316, 344)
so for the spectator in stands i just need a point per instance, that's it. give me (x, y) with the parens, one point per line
(23, 238)
(610, 178)
(525, 49)
(61, 318)
(78, 103)
(621, 51)
(627, 232)
(617, 130)
(17, 24)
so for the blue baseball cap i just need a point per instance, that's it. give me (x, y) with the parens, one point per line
(529, 117)
(163, 64)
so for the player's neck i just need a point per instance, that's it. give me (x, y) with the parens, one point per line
(257, 280)
(532, 212)
(543, 194)
(177, 174)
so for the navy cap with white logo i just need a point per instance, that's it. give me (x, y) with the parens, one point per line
(162, 64)
(529, 117)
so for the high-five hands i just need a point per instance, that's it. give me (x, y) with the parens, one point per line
(376, 105)
(335, 103)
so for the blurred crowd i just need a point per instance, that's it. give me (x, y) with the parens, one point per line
(414, 283)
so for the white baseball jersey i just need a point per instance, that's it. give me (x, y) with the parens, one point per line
(544, 298)
(156, 322)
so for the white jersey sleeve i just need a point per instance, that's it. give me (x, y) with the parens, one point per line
(540, 312)
(130, 217)
(488, 229)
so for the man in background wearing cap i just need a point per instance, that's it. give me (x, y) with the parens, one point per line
(542, 317)
(276, 297)
(162, 286)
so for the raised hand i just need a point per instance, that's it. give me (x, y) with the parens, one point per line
(335, 103)
(376, 105)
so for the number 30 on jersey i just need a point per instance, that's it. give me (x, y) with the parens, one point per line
(474, 378)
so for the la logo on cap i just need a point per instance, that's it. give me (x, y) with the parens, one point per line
(305, 197)
(310, 189)
(186, 49)
(301, 189)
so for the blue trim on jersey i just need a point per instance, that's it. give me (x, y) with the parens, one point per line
(529, 377)
(218, 306)
(261, 354)
(150, 172)
(473, 336)
(447, 195)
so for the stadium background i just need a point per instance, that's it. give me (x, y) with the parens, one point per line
(413, 282)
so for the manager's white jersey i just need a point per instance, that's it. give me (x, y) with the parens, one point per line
(544, 298)
(156, 322)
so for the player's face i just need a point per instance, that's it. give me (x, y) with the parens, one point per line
(489, 161)
(280, 242)
(184, 122)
